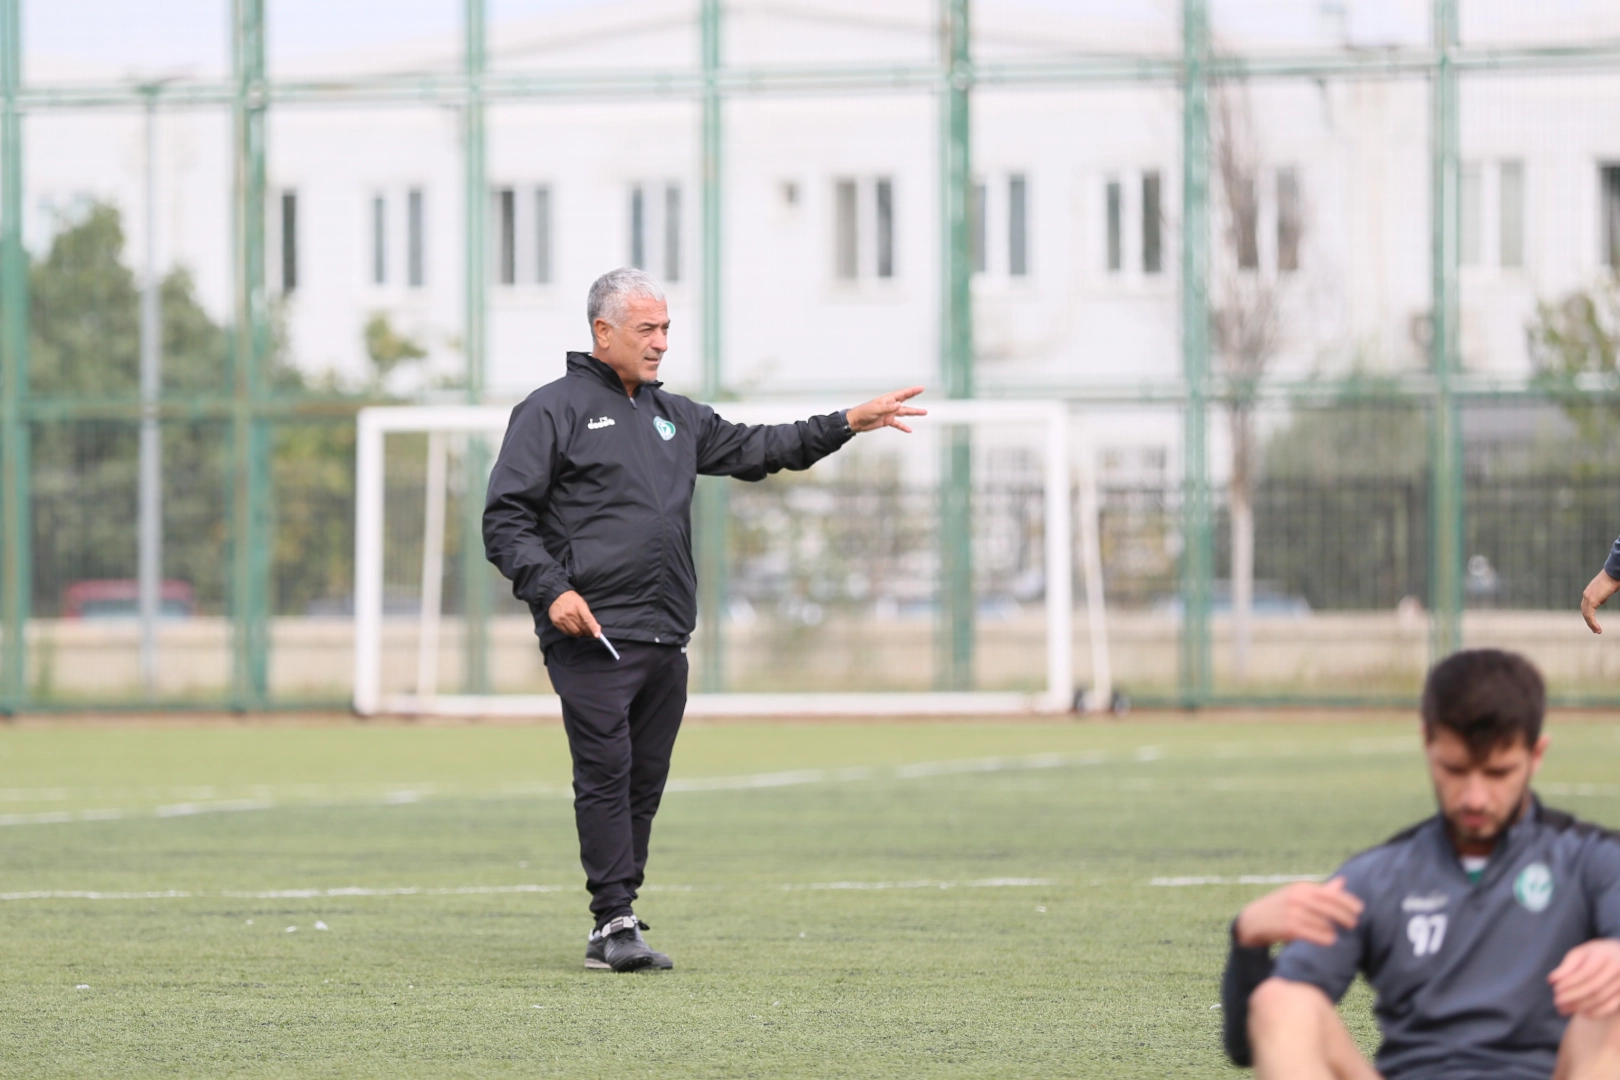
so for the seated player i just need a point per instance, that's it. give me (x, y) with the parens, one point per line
(1488, 932)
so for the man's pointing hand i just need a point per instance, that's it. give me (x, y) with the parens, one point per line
(1593, 597)
(885, 411)
(572, 615)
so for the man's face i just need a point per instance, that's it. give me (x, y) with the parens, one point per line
(635, 349)
(1480, 797)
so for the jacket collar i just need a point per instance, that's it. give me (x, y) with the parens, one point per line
(590, 367)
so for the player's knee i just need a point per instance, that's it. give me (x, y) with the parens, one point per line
(1280, 1005)
(1591, 1049)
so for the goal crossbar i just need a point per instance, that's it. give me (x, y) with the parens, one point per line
(375, 424)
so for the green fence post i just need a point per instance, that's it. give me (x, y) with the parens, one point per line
(474, 569)
(1446, 458)
(1197, 559)
(16, 562)
(250, 434)
(955, 671)
(713, 496)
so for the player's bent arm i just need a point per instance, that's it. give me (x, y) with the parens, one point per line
(1302, 911)
(1247, 966)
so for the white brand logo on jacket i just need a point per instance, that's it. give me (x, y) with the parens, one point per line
(1433, 902)
(601, 422)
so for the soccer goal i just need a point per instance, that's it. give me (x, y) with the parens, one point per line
(406, 620)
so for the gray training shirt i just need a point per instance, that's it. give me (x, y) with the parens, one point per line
(1460, 967)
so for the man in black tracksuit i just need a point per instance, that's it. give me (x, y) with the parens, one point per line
(589, 515)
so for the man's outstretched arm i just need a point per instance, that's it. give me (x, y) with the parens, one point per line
(752, 452)
(1600, 588)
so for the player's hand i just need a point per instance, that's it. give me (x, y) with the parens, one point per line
(572, 615)
(1303, 911)
(1596, 592)
(1587, 983)
(885, 411)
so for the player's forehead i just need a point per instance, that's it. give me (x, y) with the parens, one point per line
(1449, 746)
(645, 311)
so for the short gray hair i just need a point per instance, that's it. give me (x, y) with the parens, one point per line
(610, 291)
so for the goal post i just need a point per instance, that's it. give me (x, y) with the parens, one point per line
(440, 423)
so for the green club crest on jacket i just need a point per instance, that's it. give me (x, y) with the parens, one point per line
(1534, 887)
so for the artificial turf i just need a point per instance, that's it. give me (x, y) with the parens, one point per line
(842, 900)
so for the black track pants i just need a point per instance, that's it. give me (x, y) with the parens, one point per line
(622, 717)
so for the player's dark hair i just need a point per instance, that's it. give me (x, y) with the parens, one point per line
(1489, 697)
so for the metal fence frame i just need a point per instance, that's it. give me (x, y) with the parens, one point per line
(250, 408)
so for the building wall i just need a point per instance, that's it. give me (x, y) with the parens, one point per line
(792, 324)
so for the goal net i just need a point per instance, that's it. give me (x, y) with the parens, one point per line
(833, 580)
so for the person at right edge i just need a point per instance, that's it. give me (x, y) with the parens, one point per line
(1488, 932)
(589, 515)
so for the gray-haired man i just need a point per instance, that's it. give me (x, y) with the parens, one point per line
(589, 515)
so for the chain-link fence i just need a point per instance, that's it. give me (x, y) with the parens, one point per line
(1329, 288)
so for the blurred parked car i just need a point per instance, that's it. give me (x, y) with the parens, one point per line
(120, 598)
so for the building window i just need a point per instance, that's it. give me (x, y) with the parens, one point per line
(638, 228)
(1289, 221)
(1017, 226)
(845, 238)
(672, 232)
(379, 240)
(1116, 215)
(1244, 206)
(978, 211)
(1152, 224)
(1472, 212)
(1510, 214)
(542, 235)
(505, 229)
(655, 229)
(1610, 178)
(289, 241)
(415, 254)
(863, 229)
(885, 228)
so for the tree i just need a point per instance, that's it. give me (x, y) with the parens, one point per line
(387, 347)
(1575, 337)
(1247, 324)
(85, 323)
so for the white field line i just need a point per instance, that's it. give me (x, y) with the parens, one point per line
(745, 782)
(357, 891)
(83, 894)
(982, 883)
(203, 800)
(1566, 790)
(1242, 879)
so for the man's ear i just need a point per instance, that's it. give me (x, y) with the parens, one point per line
(1538, 751)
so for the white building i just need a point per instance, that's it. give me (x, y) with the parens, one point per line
(832, 236)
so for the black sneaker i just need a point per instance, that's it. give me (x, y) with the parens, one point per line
(595, 955)
(624, 949)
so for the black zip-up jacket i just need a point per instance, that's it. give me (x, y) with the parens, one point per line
(592, 491)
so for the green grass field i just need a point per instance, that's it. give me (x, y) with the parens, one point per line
(842, 900)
